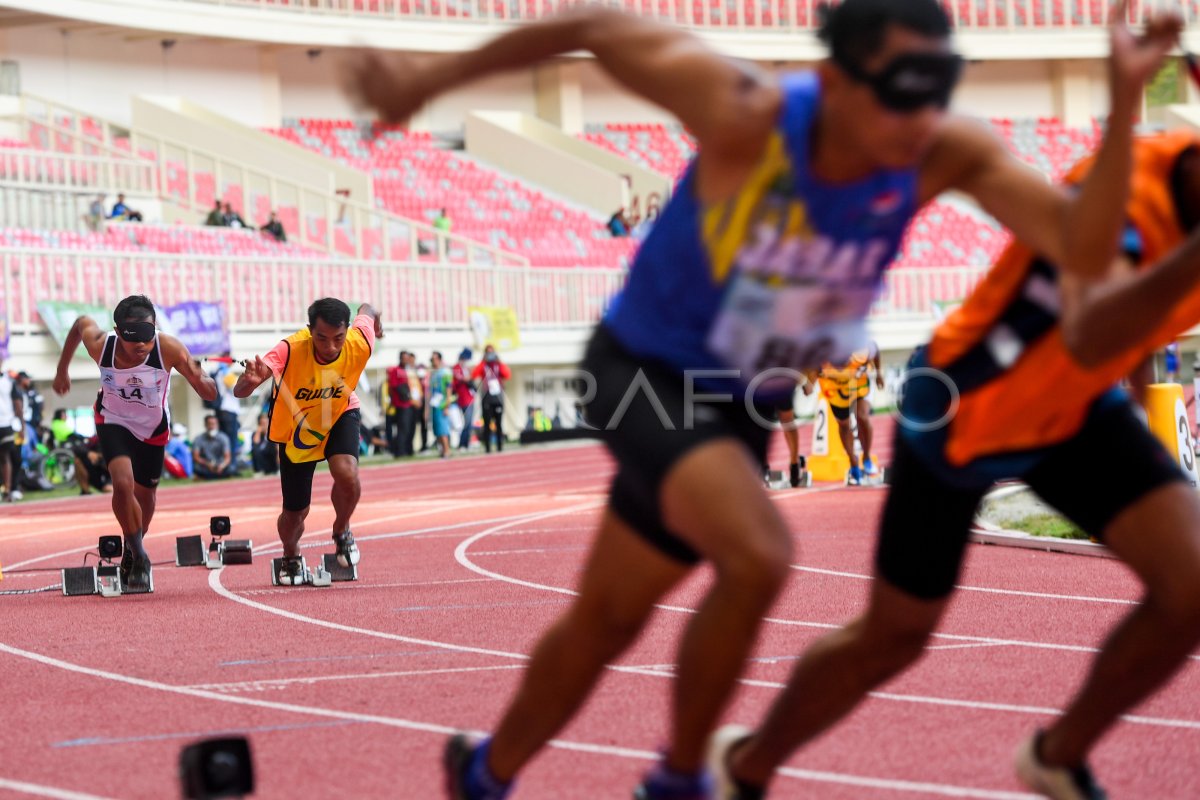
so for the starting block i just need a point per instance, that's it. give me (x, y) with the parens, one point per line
(103, 579)
(777, 480)
(328, 572)
(881, 478)
(189, 550)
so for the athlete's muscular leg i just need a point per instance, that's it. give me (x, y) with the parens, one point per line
(790, 435)
(147, 499)
(291, 528)
(862, 413)
(346, 490)
(847, 437)
(125, 505)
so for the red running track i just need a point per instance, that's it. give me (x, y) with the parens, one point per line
(350, 690)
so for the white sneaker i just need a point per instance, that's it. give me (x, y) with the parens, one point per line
(1057, 783)
(723, 740)
(16, 495)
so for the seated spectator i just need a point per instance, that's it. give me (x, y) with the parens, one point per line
(215, 218)
(212, 453)
(122, 211)
(617, 225)
(264, 454)
(177, 448)
(91, 471)
(60, 429)
(275, 228)
(94, 219)
(232, 218)
(442, 222)
(373, 440)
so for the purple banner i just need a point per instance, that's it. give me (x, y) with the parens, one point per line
(200, 326)
(3, 334)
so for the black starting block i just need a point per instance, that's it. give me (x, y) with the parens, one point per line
(189, 550)
(775, 479)
(328, 572)
(77, 581)
(103, 579)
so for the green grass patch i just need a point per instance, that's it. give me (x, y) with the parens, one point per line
(1050, 525)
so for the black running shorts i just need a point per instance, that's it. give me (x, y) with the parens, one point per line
(296, 478)
(645, 444)
(1113, 462)
(116, 441)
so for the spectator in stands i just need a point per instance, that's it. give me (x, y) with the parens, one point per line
(212, 453)
(642, 229)
(94, 219)
(538, 421)
(275, 228)
(491, 374)
(60, 429)
(617, 225)
(418, 379)
(442, 221)
(34, 402)
(400, 420)
(264, 454)
(232, 218)
(177, 449)
(228, 408)
(215, 218)
(124, 212)
(1171, 362)
(464, 396)
(91, 471)
(441, 382)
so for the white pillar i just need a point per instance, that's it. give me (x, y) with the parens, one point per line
(559, 94)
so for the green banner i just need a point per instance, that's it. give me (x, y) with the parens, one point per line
(58, 316)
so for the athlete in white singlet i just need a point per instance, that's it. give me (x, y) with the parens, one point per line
(132, 419)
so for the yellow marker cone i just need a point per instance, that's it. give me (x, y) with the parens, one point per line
(828, 461)
(1168, 419)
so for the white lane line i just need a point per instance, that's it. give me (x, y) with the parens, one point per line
(37, 790)
(1043, 595)
(887, 784)
(266, 684)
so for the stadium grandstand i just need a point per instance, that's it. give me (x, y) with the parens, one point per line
(508, 210)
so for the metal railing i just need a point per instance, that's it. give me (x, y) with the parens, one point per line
(41, 169)
(794, 15)
(193, 179)
(272, 293)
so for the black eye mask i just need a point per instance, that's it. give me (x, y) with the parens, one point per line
(911, 81)
(139, 332)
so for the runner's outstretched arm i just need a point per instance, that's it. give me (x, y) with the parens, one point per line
(722, 102)
(176, 356)
(85, 331)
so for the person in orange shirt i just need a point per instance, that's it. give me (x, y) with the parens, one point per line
(315, 417)
(1020, 383)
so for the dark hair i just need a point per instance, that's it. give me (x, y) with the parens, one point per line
(330, 309)
(135, 308)
(60, 413)
(208, 417)
(437, 353)
(854, 29)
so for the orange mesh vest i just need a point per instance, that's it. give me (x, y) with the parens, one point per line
(1034, 393)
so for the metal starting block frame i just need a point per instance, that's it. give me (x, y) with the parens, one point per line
(189, 552)
(778, 480)
(104, 580)
(328, 572)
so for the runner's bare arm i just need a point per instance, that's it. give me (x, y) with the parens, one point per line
(1142, 310)
(730, 107)
(85, 331)
(176, 356)
(1079, 233)
(369, 310)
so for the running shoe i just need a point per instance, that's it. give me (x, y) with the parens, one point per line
(291, 571)
(869, 466)
(347, 550)
(1057, 783)
(16, 495)
(458, 759)
(137, 578)
(661, 783)
(854, 476)
(725, 787)
(795, 475)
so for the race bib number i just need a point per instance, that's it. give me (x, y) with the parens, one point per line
(762, 327)
(493, 385)
(132, 390)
